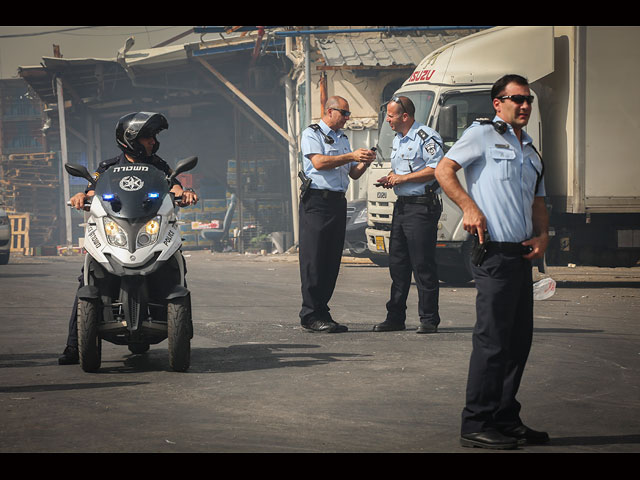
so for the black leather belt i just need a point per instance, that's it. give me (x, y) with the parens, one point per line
(508, 248)
(424, 199)
(326, 193)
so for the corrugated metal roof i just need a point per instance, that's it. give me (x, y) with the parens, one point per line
(380, 51)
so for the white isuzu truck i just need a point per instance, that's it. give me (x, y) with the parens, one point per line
(583, 123)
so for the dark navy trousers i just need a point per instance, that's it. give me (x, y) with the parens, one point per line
(412, 250)
(501, 342)
(321, 241)
(72, 336)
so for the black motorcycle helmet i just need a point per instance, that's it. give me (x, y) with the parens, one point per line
(137, 125)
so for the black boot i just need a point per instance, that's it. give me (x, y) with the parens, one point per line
(389, 326)
(69, 356)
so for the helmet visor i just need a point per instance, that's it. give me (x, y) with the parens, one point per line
(144, 124)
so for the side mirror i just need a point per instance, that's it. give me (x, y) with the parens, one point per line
(448, 123)
(79, 171)
(184, 165)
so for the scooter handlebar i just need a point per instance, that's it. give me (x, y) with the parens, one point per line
(87, 203)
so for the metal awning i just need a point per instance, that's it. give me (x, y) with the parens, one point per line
(88, 78)
(378, 52)
(100, 82)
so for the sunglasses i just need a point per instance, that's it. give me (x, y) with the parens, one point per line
(345, 113)
(519, 99)
(399, 102)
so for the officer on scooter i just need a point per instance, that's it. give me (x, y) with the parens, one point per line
(136, 137)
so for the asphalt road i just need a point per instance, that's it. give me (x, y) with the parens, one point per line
(259, 383)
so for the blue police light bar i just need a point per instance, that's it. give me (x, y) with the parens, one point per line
(108, 196)
(153, 195)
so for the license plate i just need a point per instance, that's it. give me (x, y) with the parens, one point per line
(380, 244)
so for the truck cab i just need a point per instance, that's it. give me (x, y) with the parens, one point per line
(449, 96)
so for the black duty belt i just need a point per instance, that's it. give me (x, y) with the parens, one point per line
(508, 248)
(422, 199)
(326, 193)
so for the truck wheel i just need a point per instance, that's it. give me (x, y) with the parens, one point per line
(4, 258)
(179, 333)
(450, 274)
(380, 260)
(89, 341)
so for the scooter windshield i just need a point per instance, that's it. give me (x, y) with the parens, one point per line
(132, 191)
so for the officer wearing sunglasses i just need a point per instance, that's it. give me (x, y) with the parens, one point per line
(505, 200)
(328, 162)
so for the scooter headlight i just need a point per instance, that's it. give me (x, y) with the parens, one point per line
(116, 236)
(149, 233)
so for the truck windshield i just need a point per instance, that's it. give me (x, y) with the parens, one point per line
(423, 101)
(470, 105)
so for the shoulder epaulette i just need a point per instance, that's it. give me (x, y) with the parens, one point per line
(424, 136)
(109, 162)
(499, 126)
(316, 128)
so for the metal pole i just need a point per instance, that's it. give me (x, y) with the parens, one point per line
(388, 30)
(579, 120)
(293, 155)
(63, 151)
(307, 80)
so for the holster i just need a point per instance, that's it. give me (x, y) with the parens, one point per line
(305, 187)
(479, 250)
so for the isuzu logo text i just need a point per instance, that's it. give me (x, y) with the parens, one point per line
(421, 76)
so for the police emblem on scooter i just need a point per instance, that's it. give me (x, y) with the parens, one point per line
(131, 183)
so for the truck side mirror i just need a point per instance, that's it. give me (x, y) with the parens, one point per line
(448, 123)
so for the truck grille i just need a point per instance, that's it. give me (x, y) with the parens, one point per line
(382, 226)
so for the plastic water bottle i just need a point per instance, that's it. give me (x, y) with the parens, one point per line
(544, 289)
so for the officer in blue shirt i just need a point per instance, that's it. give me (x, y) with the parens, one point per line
(328, 162)
(417, 149)
(505, 201)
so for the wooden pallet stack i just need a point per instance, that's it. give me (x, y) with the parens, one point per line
(19, 233)
(30, 183)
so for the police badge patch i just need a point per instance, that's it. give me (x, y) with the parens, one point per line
(429, 147)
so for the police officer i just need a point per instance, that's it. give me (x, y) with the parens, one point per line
(417, 149)
(505, 201)
(328, 162)
(136, 137)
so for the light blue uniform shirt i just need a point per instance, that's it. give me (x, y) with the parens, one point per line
(312, 142)
(412, 153)
(501, 178)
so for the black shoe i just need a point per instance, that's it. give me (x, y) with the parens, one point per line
(69, 356)
(324, 326)
(524, 434)
(389, 326)
(489, 439)
(427, 328)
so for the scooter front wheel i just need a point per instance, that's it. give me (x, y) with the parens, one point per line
(179, 333)
(89, 341)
